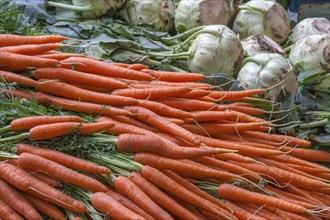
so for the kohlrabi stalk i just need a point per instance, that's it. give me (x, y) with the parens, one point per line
(262, 17)
(310, 26)
(261, 44)
(91, 9)
(312, 53)
(267, 70)
(158, 14)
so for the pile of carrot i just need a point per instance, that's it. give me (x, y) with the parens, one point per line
(204, 153)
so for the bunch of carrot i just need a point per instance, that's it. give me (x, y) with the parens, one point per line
(182, 131)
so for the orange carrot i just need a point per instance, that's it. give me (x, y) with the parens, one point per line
(11, 61)
(35, 162)
(39, 97)
(312, 170)
(17, 78)
(21, 124)
(137, 123)
(188, 104)
(45, 207)
(72, 76)
(125, 186)
(75, 93)
(259, 211)
(163, 109)
(152, 118)
(235, 95)
(92, 88)
(243, 109)
(15, 200)
(129, 204)
(228, 114)
(293, 160)
(12, 39)
(10, 174)
(228, 191)
(60, 56)
(308, 154)
(31, 49)
(64, 159)
(170, 186)
(194, 94)
(174, 76)
(241, 213)
(106, 69)
(137, 66)
(160, 197)
(111, 207)
(6, 212)
(48, 131)
(235, 157)
(194, 85)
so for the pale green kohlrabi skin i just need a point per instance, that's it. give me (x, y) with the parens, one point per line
(261, 44)
(310, 26)
(219, 51)
(312, 53)
(262, 17)
(266, 70)
(158, 14)
(194, 13)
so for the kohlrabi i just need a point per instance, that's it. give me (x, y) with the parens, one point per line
(265, 70)
(190, 14)
(262, 17)
(312, 53)
(260, 44)
(158, 14)
(91, 9)
(310, 26)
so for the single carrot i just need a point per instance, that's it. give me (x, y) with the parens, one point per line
(6, 212)
(243, 214)
(101, 68)
(129, 204)
(75, 93)
(125, 186)
(228, 114)
(92, 88)
(244, 104)
(235, 95)
(193, 94)
(60, 56)
(153, 93)
(164, 110)
(190, 186)
(63, 158)
(21, 124)
(10, 174)
(86, 107)
(174, 76)
(10, 93)
(160, 197)
(31, 49)
(48, 131)
(293, 160)
(111, 207)
(235, 157)
(157, 121)
(11, 61)
(311, 170)
(191, 208)
(195, 85)
(164, 182)
(228, 191)
(12, 39)
(17, 78)
(133, 143)
(259, 211)
(137, 123)
(72, 76)
(188, 104)
(15, 200)
(308, 154)
(137, 66)
(35, 162)
(47, 208)
(243, 109)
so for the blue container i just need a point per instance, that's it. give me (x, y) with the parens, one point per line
(294, 5)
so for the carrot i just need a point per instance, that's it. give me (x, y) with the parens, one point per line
(6, 212)
(137, 123)
(244, 104)
(160, 197)
(189, 186)
(19, 79)
(86, 107)
(174, 76)
(191, 208)
(243, 214)
(15, 200)
(188, 104)
(11, 61)
(308, 154)
(194, 85)
(129, 204)
(31, 49)
(133, 143)
(163, 109)
(21, 124)
(151, 93)
(228, 114)
(194, 94)
(60, 56)
(235, 157)
(243, 109)
(235, 95)
(293, 160)
(75, 93)
(45, 207)
(137, 66)
(12, 39)
(170, 186)
(125, 186)
(35, 162)
(106, 69)
(152, 118)
(311, 170)
(111, 207)
(72, 76)
(10, 174)
(92, 88)
(48, 131)
(228, 191)
(64, 159)
(39, 97)
(259, 211)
